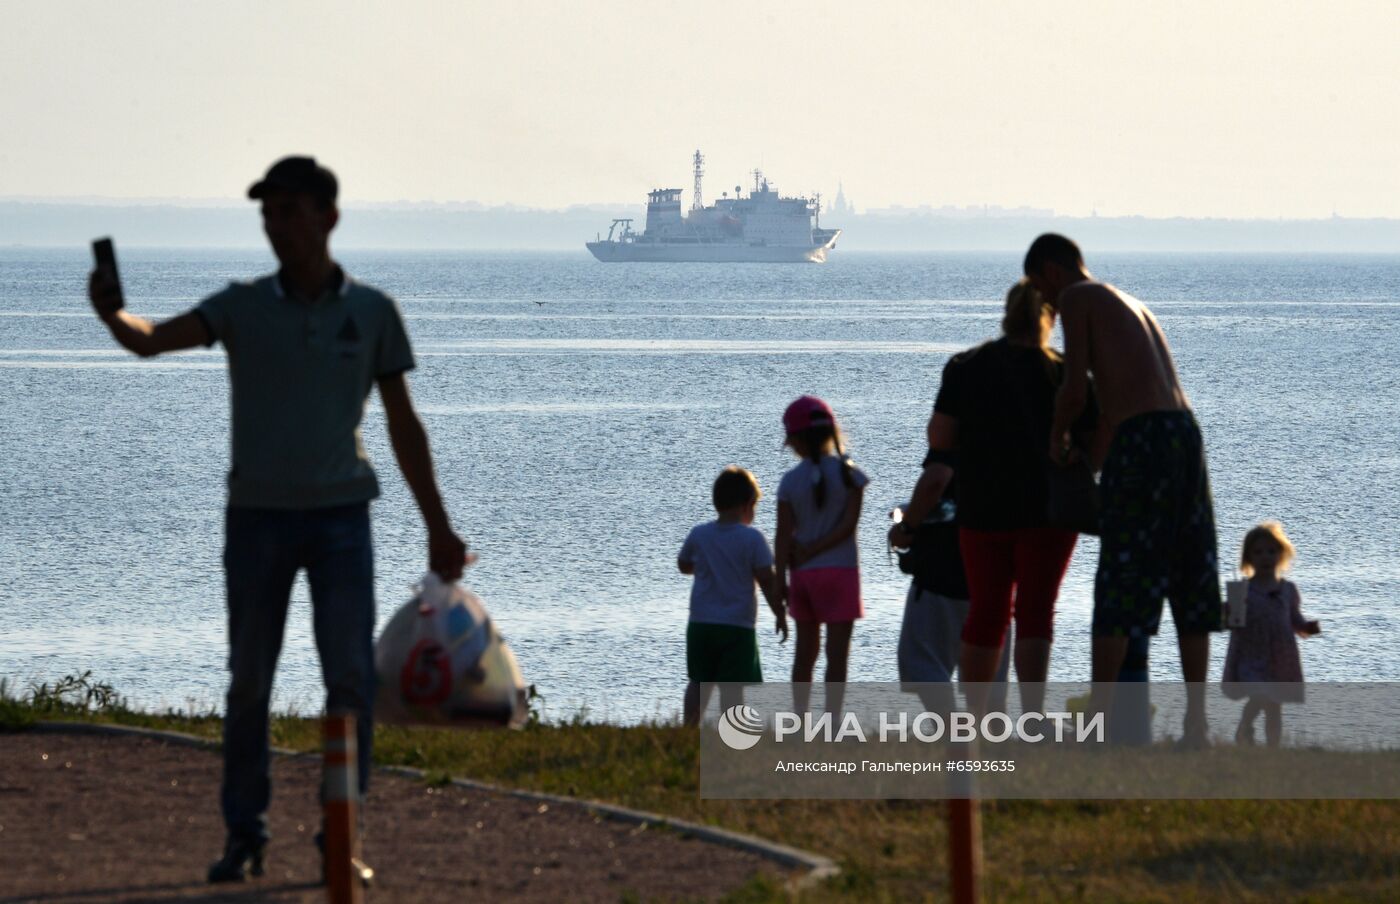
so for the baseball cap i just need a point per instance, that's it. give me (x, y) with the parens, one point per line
(807, 411)
(297, 174)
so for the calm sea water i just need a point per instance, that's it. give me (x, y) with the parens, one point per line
(579, 412)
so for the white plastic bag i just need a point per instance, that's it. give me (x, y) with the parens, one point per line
(441, 662)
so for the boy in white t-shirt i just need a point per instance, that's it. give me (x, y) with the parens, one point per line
(727, 556)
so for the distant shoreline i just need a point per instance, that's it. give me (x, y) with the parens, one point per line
(38, 224)
(146, 251)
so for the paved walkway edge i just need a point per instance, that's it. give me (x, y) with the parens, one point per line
(817, 868)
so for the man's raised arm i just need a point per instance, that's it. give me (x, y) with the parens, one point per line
(138, 334)
(1074, 391)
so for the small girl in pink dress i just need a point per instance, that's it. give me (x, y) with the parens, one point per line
(1262, 662)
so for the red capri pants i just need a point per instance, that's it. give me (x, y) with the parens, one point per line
(1025, 565)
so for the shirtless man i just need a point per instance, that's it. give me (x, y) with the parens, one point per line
(1157, 517)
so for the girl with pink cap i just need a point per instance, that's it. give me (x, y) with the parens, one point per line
(819, 504)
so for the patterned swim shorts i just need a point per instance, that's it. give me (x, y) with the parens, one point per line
(1157, 530)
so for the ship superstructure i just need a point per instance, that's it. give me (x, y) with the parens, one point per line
(760, 226)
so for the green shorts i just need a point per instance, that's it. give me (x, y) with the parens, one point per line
(722, 653)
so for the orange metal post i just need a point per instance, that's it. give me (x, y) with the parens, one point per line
(965, 849)
(341, 795)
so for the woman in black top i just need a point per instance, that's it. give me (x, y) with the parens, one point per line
(995, 407)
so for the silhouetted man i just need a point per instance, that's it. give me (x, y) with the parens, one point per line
(305, 346)
(1157, 517)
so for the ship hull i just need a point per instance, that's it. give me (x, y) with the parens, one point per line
(709, 252)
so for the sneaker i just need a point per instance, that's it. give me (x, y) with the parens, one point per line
(239, 855)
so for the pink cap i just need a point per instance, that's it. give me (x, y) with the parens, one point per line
(807, 411)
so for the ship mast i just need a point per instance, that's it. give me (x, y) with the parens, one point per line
(698, 203)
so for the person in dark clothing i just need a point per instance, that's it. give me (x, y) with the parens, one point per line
(306, 345)
(995, 407)
(935, 609)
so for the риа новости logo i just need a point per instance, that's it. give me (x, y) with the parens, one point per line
(740, 727)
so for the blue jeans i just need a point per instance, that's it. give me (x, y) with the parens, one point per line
(263, 550)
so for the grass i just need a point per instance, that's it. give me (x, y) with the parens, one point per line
(1051, 851)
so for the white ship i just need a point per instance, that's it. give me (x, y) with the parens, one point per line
(760, 226)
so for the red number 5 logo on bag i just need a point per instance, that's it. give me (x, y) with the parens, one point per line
(427, 676)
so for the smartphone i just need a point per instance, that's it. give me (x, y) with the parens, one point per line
(106, 257)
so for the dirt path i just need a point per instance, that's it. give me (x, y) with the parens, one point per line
(86, 818)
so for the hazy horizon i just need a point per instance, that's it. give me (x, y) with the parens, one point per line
(638, 206)
(460, 227)
(1247, 110)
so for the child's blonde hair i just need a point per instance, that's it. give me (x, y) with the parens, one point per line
(1272, 530)
(1027, 315)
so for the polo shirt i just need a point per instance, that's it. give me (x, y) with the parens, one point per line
(299, 375)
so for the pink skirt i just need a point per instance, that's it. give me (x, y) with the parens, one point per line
(825, 595)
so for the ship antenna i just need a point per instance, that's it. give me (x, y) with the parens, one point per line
(698, 202)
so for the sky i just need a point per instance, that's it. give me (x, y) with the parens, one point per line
(1240, 109)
